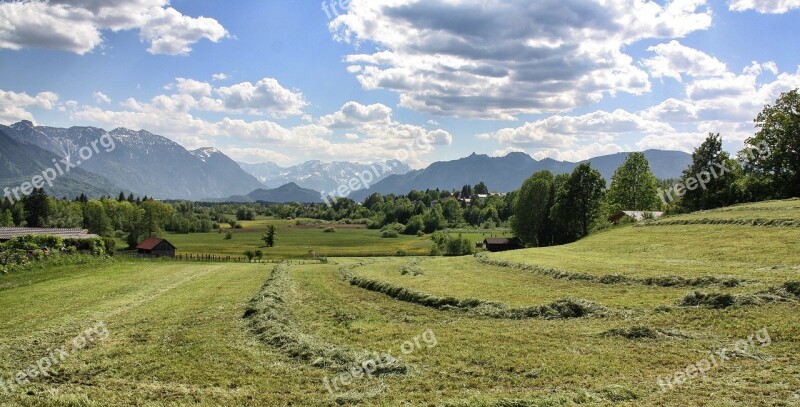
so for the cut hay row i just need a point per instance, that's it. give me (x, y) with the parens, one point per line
(663, 281)
(787, 292)
(761, 222)
(271, 320)
(561, 309)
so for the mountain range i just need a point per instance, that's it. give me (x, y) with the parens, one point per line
(20, 162)
(143, 162)
(505, 174)
(321, 176)
(148, 164)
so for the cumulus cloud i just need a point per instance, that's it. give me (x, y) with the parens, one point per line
(506, 151)
(77, 25)
(100, 97)
(364, 133)
(465, 58)
(255, 155)
(14, 106)
(724, 102)
(219, 77)
(764, 6)
(267, 95)
(672, 60)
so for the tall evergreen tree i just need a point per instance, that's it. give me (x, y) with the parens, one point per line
(36, 208)
(7, 220)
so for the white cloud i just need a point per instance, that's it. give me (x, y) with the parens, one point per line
(764, 6)
(13, 105)
(100, 97)
(354, 114)
(77, 25)
(566, 131)
(673, 59)
(506, 151)
(471, 59)
(578, 154)
(255, 155)
(266, 96)
(219, 77)
(193, 87)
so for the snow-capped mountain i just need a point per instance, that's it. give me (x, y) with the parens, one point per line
(143, 162)
(321, 176)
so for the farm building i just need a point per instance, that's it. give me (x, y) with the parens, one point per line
(637, 216)
(156, 247)
(7, 234)
(502, 244)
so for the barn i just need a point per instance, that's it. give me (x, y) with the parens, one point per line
(502, 244)
(156, 247)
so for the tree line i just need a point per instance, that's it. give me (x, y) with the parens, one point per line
(557, 209)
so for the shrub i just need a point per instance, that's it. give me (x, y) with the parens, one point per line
(390, 234)
(330, 230)
(420, 234)
(228, 235)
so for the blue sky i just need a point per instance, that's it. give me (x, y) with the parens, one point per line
(281, 81)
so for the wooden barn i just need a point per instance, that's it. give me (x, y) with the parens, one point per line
(502, 244)
(156, 247)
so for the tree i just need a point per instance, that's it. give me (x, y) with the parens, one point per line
(577, 203)
(481, 189)
(773, 154)
(7, 220)
(633, 186)
(271, 236)
(96, 220)
(532, 208)
(414, 225)
(121, 197)
(466, 192)
(250, 255)
(258, 255)
(156, 215)
(709, 182)
(36, 208)
(434, 219)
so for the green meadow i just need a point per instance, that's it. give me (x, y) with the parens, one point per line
(617, 328)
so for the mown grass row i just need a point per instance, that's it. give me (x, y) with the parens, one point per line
(270, 318)
(787, 292)
(561, 309)
(662, 281)
(762, 222)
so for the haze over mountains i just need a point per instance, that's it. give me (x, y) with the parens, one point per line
(318, 175)
(152, 165)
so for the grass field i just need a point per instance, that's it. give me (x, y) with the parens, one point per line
(177, 332)
(300, 241)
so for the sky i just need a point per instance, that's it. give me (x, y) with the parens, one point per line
(288, 81)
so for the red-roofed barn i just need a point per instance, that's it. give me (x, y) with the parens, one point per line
(156, 247)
